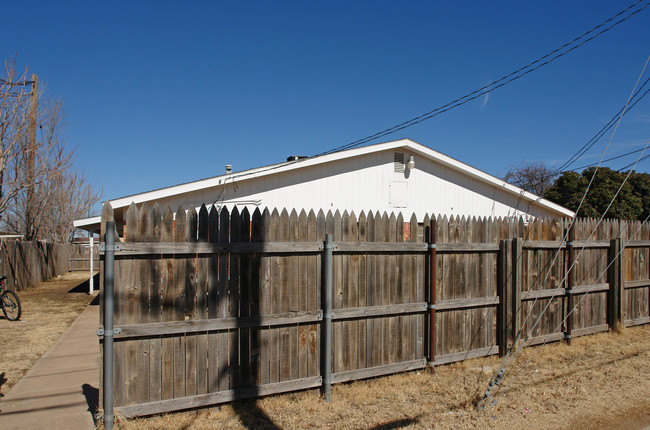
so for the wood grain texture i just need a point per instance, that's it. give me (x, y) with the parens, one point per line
(255, 307)
(131, 292)
(180, 299)
(224, 370)
(191, 305)
(168, 308)
(201, 282)
(223, 304)
(214, 299)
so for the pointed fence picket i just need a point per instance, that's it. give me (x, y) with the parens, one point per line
(216, 306)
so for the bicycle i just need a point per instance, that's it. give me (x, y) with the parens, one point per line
(10, 302)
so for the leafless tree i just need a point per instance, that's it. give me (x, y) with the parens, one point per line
(14, 106)
(70, 197)
(534, 177)
(34, 175)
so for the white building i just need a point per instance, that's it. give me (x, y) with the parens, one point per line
(399, 176)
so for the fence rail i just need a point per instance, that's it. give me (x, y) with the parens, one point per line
(215, 306)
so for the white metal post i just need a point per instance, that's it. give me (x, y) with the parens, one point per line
(90, 283)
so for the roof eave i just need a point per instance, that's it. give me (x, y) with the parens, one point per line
(486, 177)
(417, 148)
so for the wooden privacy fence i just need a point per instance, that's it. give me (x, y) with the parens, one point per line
(218, 306)
(26, 263)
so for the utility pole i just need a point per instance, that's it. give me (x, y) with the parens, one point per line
(33, 114)
(3, 132)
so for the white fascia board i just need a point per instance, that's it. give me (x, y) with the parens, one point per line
(484, 177)
(166, 192)
(417, 148)
(246, 174)
(85, 222)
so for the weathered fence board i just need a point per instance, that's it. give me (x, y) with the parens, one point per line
(202, 297)
(26, 263)
(168, 298)
(222, 305)
(212, 278)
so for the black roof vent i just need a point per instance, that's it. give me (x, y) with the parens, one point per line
(296, 157)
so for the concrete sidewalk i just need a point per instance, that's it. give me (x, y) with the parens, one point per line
(61, 390)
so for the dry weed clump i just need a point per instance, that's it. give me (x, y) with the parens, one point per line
(600, 381)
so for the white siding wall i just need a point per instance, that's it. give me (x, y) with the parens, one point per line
(363, 183)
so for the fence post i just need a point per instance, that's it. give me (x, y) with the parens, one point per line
(502, 310)
(571, 278)
(327, 320)
(108, 324)
(517, 273)
(432, 292)
(620, 281)
(613, 275)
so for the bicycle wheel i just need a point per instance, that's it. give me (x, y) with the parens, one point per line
(11, 305)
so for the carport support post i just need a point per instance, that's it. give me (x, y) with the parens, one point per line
(109, 259)
(91, 285)
(327, 320)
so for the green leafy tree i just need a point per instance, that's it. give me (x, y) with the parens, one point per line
(641, 184)
(632, 202)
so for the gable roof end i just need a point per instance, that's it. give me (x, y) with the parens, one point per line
(287, 166)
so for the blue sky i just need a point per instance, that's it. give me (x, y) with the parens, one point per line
(160, 93)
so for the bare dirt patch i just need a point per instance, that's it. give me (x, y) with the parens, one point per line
(601, 381)
(49, 308)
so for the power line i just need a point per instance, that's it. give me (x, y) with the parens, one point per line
(591, 142)
(546, 340)
(615, 158)
(462, 100)
(496, 380)
(501, 372)
(584, 295)
(21, 83)
(551, 56)
(631, 164)
(584, 196)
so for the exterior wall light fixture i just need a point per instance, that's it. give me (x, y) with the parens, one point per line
(411, 163)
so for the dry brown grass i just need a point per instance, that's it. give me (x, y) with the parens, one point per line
(48, 310)
(601, 381)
